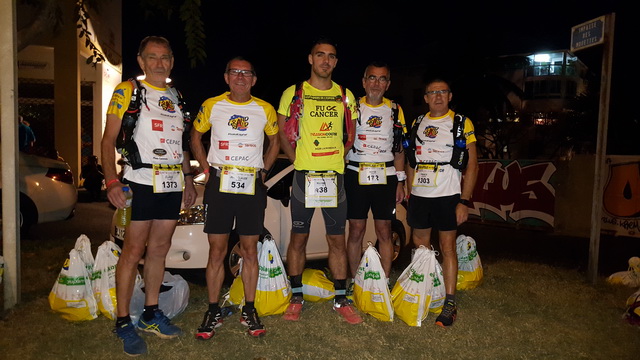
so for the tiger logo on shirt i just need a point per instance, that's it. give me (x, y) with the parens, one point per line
(238, 122)
(166, 104)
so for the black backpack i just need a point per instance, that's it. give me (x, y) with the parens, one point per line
(125, 145)
(460, 154)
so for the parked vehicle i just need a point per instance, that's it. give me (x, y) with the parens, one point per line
(47, 190)
(190, 247)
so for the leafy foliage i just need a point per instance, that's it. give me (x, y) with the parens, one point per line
(190, 14)
(193, 31)
(82, 21)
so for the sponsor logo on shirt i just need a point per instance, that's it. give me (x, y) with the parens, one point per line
(170, 141)
(362, 137)
(160, 152)
(237, 158)
(157, 125)
(431, 132)
(374, 122)
(166, 104)
(238, 122)
(223, 145)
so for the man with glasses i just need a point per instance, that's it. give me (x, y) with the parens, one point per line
(235, 169)
(375, 174)
(438, 201)
(156, 181)
(317, 152)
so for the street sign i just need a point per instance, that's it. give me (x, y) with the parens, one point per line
(588, 34)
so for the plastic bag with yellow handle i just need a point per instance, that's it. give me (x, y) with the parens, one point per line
(273, 291)
(104, 278)
(371, 293)
(72, 295)
(470, 271)
(411, 295)
(316, 287)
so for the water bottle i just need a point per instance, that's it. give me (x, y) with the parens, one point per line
(226, 311)
(124, 214)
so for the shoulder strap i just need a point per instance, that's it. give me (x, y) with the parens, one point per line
(458, 126)
(349, 130)
(292, 122)
(136, 97)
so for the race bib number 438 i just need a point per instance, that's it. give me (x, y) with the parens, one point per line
(321, 190)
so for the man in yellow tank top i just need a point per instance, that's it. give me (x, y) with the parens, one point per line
(318, 159)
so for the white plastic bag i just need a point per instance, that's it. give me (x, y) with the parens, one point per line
(411, 295)
(632, 313)
(83, 246)
(371, 293)
(470, 271)
(273, 289)
(72, 295)
(438, 293)
(173, 299)
(104, 278)
(631, 277)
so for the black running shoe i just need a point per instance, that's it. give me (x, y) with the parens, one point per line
(210, 322)
(448, 314)
(251, 320)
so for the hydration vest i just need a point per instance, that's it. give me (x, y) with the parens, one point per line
(460, 154)
(292, 122)
(125, 144)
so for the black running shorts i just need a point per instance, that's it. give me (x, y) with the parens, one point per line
(335, 219)
(381, 199)
(438, 213)
(147, 205)
(224, 208)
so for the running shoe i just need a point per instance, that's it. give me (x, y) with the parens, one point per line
(448, 314)
(159, 325)
(210, 322)
(134, 345)
(347, 311)
(294, 309)
(251, 320)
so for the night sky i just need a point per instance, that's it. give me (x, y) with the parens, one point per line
(447, 40)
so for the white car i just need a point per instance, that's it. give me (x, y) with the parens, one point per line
(47, 190)
(190, 247)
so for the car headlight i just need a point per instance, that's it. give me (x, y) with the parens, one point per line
(194, 215)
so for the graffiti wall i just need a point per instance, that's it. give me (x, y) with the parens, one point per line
(558, 196)
(515, 192)
(621, 196)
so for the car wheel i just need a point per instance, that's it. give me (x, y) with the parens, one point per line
(28, 215)
(234, 254)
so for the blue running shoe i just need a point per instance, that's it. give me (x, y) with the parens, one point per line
(134, 345)
(159, 325)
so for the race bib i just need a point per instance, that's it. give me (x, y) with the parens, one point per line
(426, 175)
(321, 190)
(372, 174)
(238, 180)
(167, 178)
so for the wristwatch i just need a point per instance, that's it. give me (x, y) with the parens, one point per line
(465, 202)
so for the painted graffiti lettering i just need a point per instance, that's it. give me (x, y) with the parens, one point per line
(515, 192)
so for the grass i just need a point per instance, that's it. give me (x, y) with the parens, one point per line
(522, 310)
